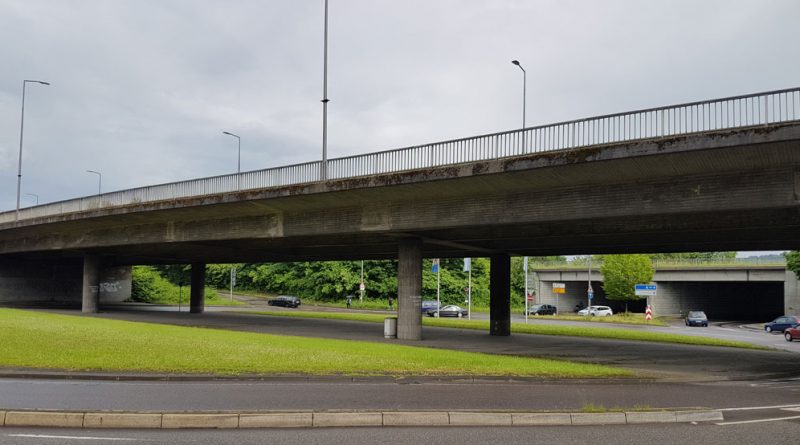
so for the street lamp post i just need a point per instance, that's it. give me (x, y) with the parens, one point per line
(239, 162)
(524, 97)
(324, 166)
(21, 133)
(99, 181)
(35, 196)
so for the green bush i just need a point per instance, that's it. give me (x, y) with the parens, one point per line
(148, 286)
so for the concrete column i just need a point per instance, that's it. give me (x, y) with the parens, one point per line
(791, 294)
(409, 289)
(197, 300)
(91, 284)
(500, 295)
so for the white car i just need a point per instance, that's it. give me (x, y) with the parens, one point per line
(600, 311)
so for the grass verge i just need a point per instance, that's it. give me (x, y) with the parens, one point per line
(569, 331)
(50, 341)
(629, 318)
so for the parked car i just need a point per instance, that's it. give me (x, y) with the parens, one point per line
(451, 310)
(781, 323)
(285, 301)
(429, 305)
(697, 318)
(541, 309)
(792, 333)
(600, 311)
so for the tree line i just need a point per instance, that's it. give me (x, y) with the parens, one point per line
(331, 281)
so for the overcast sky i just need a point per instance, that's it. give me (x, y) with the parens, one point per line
(142, 90)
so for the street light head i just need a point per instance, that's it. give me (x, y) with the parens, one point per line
(225, 132)
(515, 62)
(44, 83)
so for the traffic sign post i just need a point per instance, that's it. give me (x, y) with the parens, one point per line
(646, 290)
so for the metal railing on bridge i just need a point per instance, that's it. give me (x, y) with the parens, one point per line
(718, 114)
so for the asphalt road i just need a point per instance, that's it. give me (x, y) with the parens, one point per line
(339, 395)
(783, 432)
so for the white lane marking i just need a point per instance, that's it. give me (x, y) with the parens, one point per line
(774, 419)
(45, 436)
(745, 408)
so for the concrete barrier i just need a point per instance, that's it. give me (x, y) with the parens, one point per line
(348, 419)
(121, 420)
(154, 420)
(650, 417)
(598, 418)
(482, 419)
(43, 418)
(421, 418)
(276, 420)
(698, 416)
(200, 421)
(529, 419)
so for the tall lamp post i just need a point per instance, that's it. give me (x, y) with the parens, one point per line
(524, 98)
(21, 133)
(239, 163)
(34, 195)
(99, 181)
(323, 172)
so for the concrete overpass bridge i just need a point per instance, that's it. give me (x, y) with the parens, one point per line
(732, 290)
(722, 174)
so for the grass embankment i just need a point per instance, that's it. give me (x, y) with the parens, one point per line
(39, 340)
(540, 329)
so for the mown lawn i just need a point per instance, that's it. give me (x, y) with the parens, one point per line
(33, 339)
(589, 330)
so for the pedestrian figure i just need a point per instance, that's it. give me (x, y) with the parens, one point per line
(349, 300)
(390, 304)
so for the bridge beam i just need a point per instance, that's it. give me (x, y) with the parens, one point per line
(500, 295)
(91, 284)
(409, 289)
(198, 292)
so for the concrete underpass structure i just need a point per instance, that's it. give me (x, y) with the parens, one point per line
(657, 180)
(723, 292)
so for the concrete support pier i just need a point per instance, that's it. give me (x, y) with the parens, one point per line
(500, 295)
(198, 293)
(91, 284)
(791, 294)
(409, 289)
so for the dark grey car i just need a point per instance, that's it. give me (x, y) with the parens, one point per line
(697, 318)
(285, 301)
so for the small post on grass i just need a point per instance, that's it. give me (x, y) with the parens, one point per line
(233, 281)
(525, 269)
(180, 296)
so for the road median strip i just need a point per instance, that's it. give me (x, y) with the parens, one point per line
(325, 419)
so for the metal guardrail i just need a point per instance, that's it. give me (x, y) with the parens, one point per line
(717, 114)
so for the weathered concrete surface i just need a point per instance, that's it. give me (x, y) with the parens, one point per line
(57, 282)
(348, 419)
(409, 289)
(276, 420)
(726, 190)
(415, 418)
(90, 289)
(197, 299)
(121, 420)
(791, 294)
(200, 421)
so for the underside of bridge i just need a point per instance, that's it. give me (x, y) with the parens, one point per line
(726, 190)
